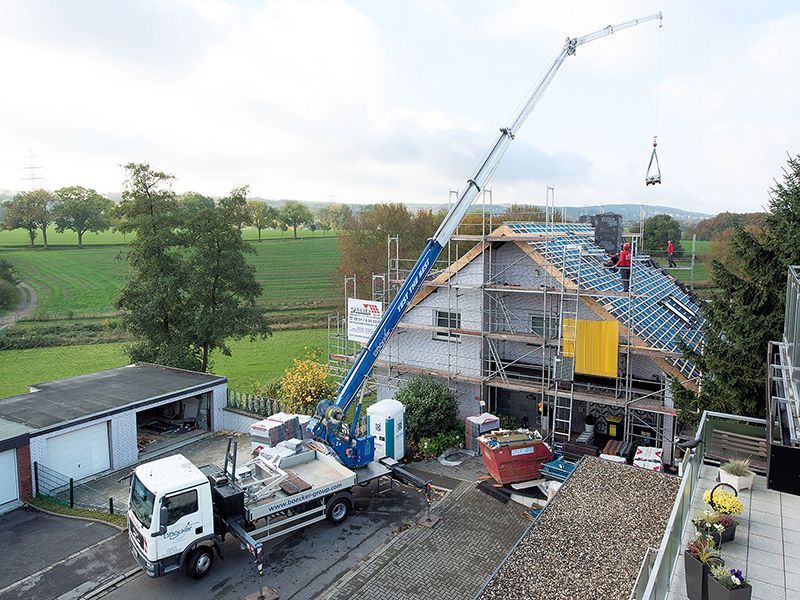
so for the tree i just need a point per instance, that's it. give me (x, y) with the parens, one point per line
(190, 288)
(153, 300)
(262, 216)
(431, 408)
(30, 211)
(80, 210)
(362, 244)
(305, 383)
(747, 309)
(293, 214)
(524, 213)
(658, 230)
(9, 294)
(221, 287)
(334, 216)
(710, 228)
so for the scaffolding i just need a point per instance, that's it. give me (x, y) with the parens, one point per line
(532, 351)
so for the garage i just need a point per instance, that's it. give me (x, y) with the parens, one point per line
(82, 427)
(9, 485)
(81, 453)
(173, 423)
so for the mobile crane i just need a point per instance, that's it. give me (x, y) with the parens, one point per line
(328, 423)
(180, 514)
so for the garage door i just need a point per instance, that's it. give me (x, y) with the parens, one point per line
(80, 453)
(8, 477)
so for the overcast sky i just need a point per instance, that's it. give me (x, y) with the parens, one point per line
(398, 101)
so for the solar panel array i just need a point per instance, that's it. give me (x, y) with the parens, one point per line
(541, 228)
(657, 311)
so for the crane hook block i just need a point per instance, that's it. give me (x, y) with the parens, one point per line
(653, 176)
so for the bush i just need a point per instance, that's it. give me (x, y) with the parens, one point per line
(430, 447)
(9, 295)
(304, 384)
(431, 408)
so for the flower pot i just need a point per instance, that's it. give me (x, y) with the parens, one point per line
(717, 591)
(740, 483)
(728, 534)
(697, 576)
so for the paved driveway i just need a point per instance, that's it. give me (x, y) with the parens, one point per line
(46, 556)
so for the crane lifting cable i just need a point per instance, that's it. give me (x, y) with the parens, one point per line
(655, 177)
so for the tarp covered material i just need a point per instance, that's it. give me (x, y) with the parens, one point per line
(596, 351)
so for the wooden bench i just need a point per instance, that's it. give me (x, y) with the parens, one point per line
(726, 445)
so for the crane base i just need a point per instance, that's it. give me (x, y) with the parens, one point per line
(269, 594)
(423, 521)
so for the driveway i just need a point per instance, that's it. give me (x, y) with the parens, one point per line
(47, 556)
(299, 566)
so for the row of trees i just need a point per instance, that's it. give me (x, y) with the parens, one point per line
(189, 289)
(83, 210)
(746, 310)
(75, 208)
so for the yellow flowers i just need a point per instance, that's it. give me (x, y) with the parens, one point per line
(724, 502)
(304, 384)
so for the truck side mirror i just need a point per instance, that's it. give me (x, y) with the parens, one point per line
(163, 516)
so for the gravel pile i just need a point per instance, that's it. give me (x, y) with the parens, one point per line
(590, 541)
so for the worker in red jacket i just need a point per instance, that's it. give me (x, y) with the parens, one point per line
(671, 253)
(624, 266)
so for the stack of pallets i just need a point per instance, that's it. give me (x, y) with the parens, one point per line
(477, 426)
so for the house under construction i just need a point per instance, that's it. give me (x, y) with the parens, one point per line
(528, 319)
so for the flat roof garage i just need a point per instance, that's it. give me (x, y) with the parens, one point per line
(83, 426)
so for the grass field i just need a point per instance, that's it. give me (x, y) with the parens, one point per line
(68, 280)
(261, 360)
(19, 237)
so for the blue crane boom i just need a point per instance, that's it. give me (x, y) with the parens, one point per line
(327, 423)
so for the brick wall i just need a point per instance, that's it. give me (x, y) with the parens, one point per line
(24, 472)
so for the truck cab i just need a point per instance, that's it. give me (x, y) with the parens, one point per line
(171, 518)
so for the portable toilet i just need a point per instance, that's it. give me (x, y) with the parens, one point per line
(386, 420)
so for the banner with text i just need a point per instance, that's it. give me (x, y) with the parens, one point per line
(363, 317)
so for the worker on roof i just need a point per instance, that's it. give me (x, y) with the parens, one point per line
(671, 253)
(624, 266)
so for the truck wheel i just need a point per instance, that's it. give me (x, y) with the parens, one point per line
(199, 562)
(338, 511)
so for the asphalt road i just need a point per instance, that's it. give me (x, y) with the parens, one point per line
(46, 557)
(299, 566)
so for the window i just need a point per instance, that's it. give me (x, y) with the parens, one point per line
(179, 506)
(544, 325)
(446, 320)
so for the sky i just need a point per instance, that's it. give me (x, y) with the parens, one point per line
(381, 101)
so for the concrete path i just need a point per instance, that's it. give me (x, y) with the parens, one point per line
(24, 309)
(48, 557)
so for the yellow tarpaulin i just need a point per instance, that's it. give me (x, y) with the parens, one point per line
(597, 352)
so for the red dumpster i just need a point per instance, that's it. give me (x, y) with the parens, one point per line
(514, 456)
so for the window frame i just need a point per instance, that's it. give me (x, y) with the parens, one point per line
(453, 320)
(548, 322)
(171, 498)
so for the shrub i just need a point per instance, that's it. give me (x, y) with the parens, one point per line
(738, 467)
(304, 384)
(429, 447)
(9, 295)
(431, 408)
(508, 422)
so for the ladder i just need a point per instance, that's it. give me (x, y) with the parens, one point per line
(562, 415)
(568, 318)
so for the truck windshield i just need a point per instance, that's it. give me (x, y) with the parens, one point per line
(142, 501)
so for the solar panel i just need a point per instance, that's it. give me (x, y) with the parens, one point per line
(658, 311)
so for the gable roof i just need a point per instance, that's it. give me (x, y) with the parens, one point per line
(658, 311)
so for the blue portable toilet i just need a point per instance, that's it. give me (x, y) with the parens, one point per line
(386, 420)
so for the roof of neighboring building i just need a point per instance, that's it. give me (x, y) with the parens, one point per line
(590, 540)
(68, 400)
(10, 430)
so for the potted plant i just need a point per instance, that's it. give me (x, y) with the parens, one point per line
(737, 474)
(588, 423)
(723, 501)
(728, 584)
(700, 557)
(719, 526)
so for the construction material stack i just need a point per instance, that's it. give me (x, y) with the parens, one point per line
(476, 427)
(514, 456)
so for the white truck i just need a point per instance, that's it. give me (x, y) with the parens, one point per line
(179, 514)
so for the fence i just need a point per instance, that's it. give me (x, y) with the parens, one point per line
(56, 487)
(252, 403)
(657, 568)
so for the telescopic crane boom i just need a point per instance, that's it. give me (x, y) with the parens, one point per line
(327, 423)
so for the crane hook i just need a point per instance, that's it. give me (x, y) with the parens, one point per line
(656, 176)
